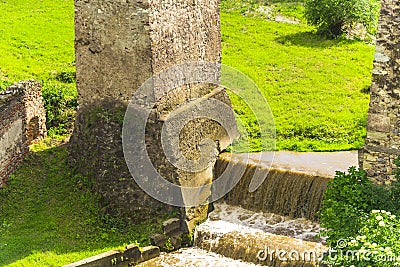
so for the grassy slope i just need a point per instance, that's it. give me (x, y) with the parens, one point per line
(49, 217)
(37, 42)
(37, 38)
(315, 87)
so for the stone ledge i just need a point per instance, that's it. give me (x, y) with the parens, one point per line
(116, 258)
(392, 151)
(191, 104)
(256, 246)
(100, 260)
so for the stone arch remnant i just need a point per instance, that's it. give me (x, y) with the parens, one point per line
(119, 45)
(382, 144)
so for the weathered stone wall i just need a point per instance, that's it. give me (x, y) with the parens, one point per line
(184, 31)
(113, 50)
(119, 45)
(22, 121)
(383, 127)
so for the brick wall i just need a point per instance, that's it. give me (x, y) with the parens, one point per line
(22, 121)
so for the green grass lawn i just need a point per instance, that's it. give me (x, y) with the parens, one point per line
(317, 89)
(37, 42)
(37, 38)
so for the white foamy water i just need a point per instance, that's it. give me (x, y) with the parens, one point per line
(197, 258)
(226, 218)
(230, 230)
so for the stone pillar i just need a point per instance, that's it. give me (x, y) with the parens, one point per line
(119, 45)
(382, 144)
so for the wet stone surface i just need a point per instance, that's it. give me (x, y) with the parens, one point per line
(267, 222)
(194, 257)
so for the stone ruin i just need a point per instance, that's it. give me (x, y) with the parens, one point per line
(383, 126)
(22, 122)
(119, 45)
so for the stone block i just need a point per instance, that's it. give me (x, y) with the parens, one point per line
(377, 136)
(158, 240)
(171, 225)
(150, 252)
(106, 259)
(378, 123)
(132, 253)
(176, 239)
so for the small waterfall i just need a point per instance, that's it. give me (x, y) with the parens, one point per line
(292, 193)
(261, 238)
(233, 236)
(276, 225)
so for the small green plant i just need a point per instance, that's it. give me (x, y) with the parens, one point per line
(66, 76)
(190, 237)
(3, 228)
(334, 17)
(60, 102)
(376, 243)
(348, 199)
(4, 85)
(168, 245)
(360, 220)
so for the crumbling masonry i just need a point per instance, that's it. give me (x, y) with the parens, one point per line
(22, 121)
(119, 45)
(383, 127)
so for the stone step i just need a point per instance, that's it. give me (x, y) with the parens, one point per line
(194, 257)
(243, 219)
(233, 236)
(260, 238)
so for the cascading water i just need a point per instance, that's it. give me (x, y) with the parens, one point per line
(276, 225)
(233, 236)
(289, 191)
(260, 238)
(195, 257)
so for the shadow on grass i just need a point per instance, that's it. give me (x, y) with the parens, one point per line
(312, 40)
(50, 217)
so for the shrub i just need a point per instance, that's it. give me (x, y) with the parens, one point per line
(348, 199)
(334, 17)
(60, 103)
(4, 85)
(66, 76)
(360, 220)
(376, 243)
